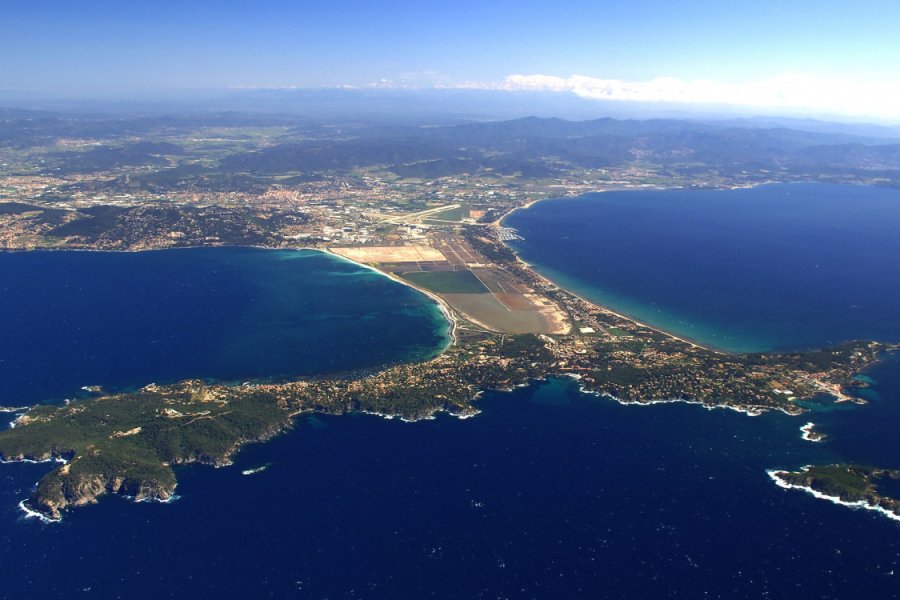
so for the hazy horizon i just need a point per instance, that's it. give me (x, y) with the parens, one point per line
(423, 106)
(771, 58)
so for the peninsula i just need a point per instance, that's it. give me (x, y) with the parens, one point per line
(420, 204)
(128, 443)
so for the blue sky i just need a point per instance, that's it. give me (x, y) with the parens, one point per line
(105, 48)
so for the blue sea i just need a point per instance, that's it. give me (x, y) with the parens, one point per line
(776, 266)
(73, 319)
(548, 493)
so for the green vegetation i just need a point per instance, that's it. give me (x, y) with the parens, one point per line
(128, 442)
(116, 227)
(492, 251)
(97, 220)
(452, 214)
(526, 346)
(617, 332)
(101, 158)
(620, 375)
(849, 483)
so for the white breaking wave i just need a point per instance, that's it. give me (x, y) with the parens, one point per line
(808, 434)
(776, 477)
(33, 514)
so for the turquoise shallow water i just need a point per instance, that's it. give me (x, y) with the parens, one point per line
(73, 319)
(777, 266)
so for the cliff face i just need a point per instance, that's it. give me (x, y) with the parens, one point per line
(79, 483)
(63, 488)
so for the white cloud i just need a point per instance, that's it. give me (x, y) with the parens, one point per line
(797, 92)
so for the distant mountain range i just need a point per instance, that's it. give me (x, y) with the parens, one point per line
(309, 145)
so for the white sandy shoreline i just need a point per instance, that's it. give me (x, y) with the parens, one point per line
(442, 305)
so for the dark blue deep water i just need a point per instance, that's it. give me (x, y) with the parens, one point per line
(548, 493)
(72, 319)
(777, 266)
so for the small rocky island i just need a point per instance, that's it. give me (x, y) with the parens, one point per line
(811, 434)
(848, 485)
